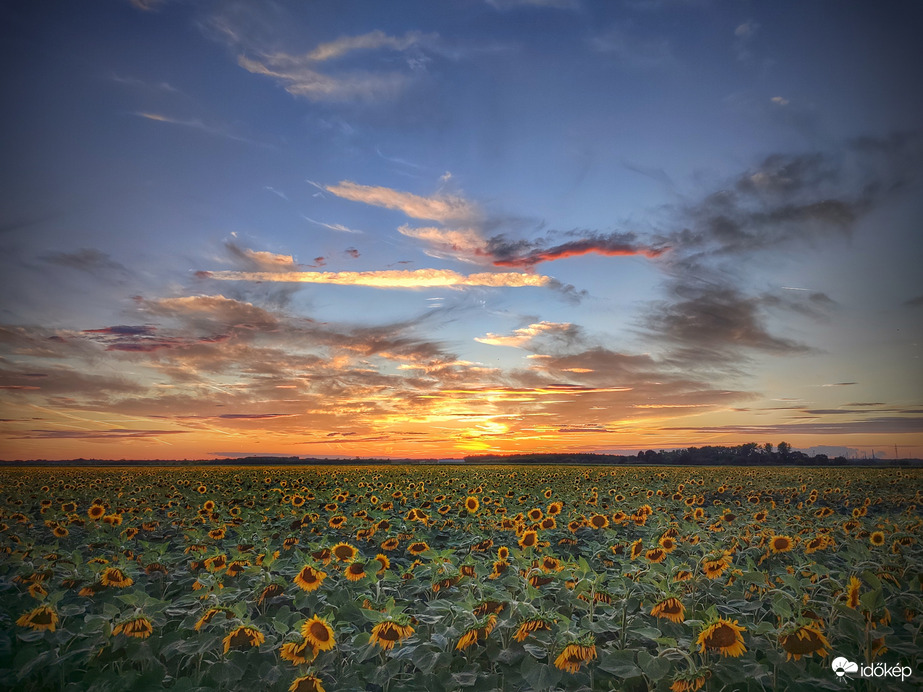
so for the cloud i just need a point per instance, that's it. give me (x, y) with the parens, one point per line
(464, 241)
(89, 260)
(332, 226)
(524, 335)
(505, 5)
(885, 425)
(443, 208)
(713, 322)
(195, 124)
(370, 41)
(258, 260)
(113, 434)
(743, 37)
(419, 278)
(142, 339)
(634, 51)
(304, 81)
(309, 74)
(915, 302)
(528, 254)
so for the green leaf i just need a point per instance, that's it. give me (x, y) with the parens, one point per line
(653, 666)
(540, 676)
(621, 664)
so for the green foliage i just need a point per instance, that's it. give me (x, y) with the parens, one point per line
(202, 553)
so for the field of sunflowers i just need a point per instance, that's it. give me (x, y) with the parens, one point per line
(457, 578)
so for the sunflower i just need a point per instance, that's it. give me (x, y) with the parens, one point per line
(216, 563)
(113, 576)
(390, 544)
(722, 635)
(271, 591)
(554, 508)
(529, 539)
(804, 641)
(209, 615)
(336, 521)
(138, 626)
(479, 631)
(243, 637)
(40, 618)
(575, 655)
(549, 523)
(655, 555)
(318, 633)
(690, 681)
(388, 633)
(356, 571)
(96, 511)
(852, 592)
(236, 567)
(714, 568)
(344, 552)
(551, 564)
(877, 538)
(533, 625)
(309, 579)
(669, 608)
(383, 561)
(599, 521)
(417, 548)
(667, 543)
(113, 519)
(780, 544)
(307, 683)
(298, 652)
(636, 549)
(61, 532)
(472, 504)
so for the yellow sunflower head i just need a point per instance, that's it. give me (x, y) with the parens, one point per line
(724, 636)
(319, 633)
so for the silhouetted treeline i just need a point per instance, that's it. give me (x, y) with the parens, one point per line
(749, 454)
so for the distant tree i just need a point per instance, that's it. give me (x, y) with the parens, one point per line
(784, 449)
(768, 447)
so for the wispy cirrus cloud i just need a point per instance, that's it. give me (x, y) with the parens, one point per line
(314, 74)
(524, 335)
(389, 278)
(373, 40)
(439, 207)
(195, 124)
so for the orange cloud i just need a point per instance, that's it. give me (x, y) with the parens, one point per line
(420, 278)
(438, 208)
(525, 334)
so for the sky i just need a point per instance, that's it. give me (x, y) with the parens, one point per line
(437, 229)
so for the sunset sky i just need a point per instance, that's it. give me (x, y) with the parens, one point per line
(433, 229)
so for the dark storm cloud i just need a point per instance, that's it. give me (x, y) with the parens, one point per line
(525, 253)
(786, 201)
(91, 261)
(799, 198)
(708, 321)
